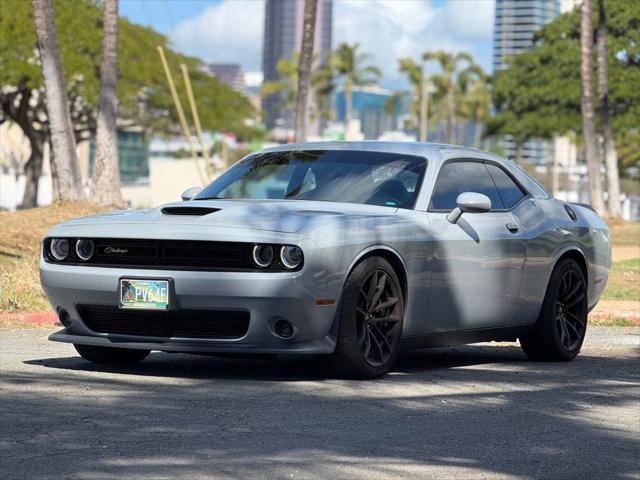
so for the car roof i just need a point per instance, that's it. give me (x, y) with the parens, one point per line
(433, 151)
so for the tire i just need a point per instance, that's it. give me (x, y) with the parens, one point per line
(562, 324)
(111, 356)
(367, 345)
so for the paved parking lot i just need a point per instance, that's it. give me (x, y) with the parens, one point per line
(467, 412)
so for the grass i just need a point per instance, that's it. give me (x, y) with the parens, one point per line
(20, 235)
(624, 281)
(624, 233)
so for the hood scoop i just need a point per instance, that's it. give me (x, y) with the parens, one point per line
(189, 211)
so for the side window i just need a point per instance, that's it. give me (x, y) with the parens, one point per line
(459, 177)
(509, 192)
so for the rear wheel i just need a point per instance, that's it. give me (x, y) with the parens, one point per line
(109, 355)
(370, 321)
(562, 323)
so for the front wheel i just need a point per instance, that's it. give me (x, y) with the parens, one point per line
(109, 355)
(562, 323)
(369, 321)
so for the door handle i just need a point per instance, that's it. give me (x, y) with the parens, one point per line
(513, 227)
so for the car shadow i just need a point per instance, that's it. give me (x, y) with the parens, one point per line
(474, 411)
(283, 367)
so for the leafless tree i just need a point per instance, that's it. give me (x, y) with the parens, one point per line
(610, 155)
(105, 185)
(588, 111)
(63, 156)
(304, 68)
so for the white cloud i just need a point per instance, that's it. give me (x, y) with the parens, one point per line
(229, 31)
(232, 30)
(391, 29)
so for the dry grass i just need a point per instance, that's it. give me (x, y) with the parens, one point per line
(624, 233)
(20, 235)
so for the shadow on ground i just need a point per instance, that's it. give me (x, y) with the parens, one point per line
(467, 411)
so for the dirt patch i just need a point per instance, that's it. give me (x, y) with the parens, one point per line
(625, 252)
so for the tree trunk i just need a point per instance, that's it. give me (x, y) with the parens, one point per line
(304, 68)
(64, 146)
(477, 131)
(519, 151)
(588, 114)
(555, 176)
(105, 184)
(610, 154)
(450, 113)
(424, 110)
(32, 172)
(347, 106)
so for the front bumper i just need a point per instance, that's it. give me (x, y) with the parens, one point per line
(265, 295)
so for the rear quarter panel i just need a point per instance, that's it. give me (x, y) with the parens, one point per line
(550, 234)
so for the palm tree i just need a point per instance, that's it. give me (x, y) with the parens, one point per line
(65, 171)
(455, 70)
(105, 186)
(304, 68)
(474, 105)
(419, 105)
(321, 84)
(588, 113)
(349, 66)
(610, 154)
(287, 83)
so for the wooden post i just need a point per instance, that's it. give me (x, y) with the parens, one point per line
(183, 121)
(196, 120)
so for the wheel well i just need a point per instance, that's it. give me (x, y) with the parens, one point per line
(579, 259)
(396, 264)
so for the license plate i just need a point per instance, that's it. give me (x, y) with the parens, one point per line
(144, 294)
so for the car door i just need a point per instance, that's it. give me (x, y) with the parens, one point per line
(478, 262)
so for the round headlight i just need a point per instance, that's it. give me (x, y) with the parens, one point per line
(262, 255)
(84, 249)
(290, 256)
(59, 248)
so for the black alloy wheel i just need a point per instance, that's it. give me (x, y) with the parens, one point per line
(369, 321)
(378, 321)
(562, 323)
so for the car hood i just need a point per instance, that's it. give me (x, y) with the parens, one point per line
(287, 216)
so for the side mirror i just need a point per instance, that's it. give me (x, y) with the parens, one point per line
(190, 193)
(469, 202)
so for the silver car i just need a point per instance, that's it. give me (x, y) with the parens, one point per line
(351, 250)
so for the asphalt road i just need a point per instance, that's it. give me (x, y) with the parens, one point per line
(467, 412)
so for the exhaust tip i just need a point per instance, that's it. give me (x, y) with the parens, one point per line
(283, 329)
(64, 317)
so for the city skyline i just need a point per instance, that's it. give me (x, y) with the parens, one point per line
(388, 30)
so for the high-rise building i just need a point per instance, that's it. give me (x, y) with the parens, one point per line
(230, 74)
(370, 106)
(282, 37)
(516, 21)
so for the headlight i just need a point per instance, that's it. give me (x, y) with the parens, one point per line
(84, 249)
(290, 256)
(262, 255)
(59, 248)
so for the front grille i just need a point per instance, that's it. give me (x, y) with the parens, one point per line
(226, 324)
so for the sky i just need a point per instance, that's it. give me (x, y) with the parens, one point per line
(231, 30)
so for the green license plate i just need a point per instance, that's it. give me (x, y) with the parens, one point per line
(144, 294)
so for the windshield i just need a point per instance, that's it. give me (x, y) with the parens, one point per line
(372, 178)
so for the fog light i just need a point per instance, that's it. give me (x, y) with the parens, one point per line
(64, 317)
(282, 328)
